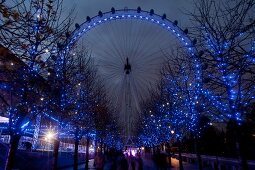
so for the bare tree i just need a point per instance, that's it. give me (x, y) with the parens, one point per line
(8, 15)
(32, 28)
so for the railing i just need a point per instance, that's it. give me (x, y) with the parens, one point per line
(3, 154)
(214, 161)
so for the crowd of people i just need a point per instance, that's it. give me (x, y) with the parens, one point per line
(114, 160)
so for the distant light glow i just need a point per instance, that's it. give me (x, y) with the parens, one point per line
(4, 119)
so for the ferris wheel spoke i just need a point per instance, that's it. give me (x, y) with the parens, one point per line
(120, 40)
(107, 45)
(138, 93)
(143, 46)
(108, 63)
(148, 43)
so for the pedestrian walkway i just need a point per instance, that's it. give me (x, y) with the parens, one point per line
(186, 166)
(148, 164)
(82, 166)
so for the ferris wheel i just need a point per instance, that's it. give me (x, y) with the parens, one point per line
(128, 47)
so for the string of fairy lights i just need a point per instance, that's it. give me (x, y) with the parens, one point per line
(185, 96)
(228, 103)
(130, 14)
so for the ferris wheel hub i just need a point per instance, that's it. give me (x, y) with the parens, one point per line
(127, 67)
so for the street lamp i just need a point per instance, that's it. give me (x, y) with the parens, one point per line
(179, 150)
(49, 135)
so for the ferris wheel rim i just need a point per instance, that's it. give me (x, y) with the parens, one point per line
(123, 14)
(142, 16)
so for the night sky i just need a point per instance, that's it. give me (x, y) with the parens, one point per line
(110, 51)
(174, 9)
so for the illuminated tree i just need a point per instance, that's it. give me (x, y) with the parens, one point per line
(83, 95)
(228, 54)
(225, 30)
(72, 80)
(30, 30)
(179, 104)
(24, 98)
(186, 104)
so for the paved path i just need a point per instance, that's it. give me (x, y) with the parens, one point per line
(37, 160)
(186, 166)
(148, 164)
(82, 166)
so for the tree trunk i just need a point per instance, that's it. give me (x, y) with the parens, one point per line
(244, 164)
(96, 145)
(241, 152)
(76, 144)
(199, 160)
(55, 154)
(180, 155)
(101, 147)
(238, 136)
(96, 151)
(14, 143)
(87, 155)
(216, 165)
(104, 148)
(169, 155)
(153, 150)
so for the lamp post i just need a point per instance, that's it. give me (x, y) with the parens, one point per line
(52, 136)
(179, 151)
(170, 160)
